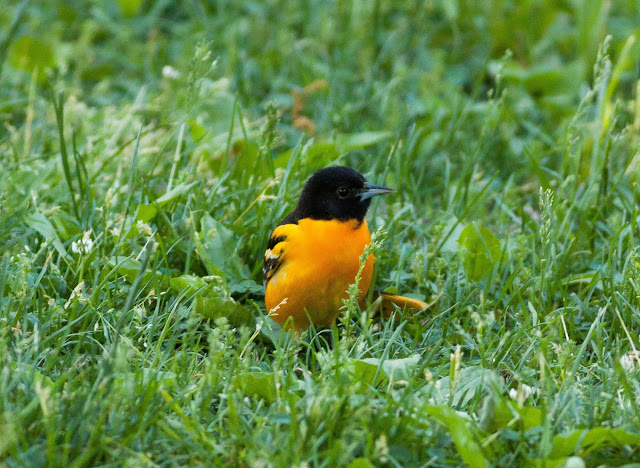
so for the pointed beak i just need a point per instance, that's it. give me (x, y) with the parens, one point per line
(371, 191)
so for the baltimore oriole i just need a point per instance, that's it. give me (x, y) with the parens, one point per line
(313, 255)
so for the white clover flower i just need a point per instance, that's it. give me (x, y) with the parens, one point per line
(528, 390)
(83, 246)
(630, 362)
(522, 393)
(169, 72)
(144, 228)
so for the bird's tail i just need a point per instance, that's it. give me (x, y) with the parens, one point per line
(389, 303)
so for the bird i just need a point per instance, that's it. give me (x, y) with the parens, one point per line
(313, 254)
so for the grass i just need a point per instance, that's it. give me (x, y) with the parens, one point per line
(148, 148)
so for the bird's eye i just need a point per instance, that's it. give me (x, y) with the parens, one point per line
(343, 192)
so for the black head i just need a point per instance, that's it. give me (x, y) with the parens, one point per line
(337, 193)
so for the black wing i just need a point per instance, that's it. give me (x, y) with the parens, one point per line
(273, 258)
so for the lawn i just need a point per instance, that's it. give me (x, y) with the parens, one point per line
(149, 148)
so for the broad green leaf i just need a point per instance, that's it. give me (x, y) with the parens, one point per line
(212, 299)
(246, 157)
(451, 245)
(360, 463)
(148, 211)
(28, 53)
(365, 370)
(531, 417)
(583, 441)
(396, 369)
(245, 286)
(129, 268)
(502, 413)
(480, 250)
(256, 384)
(40, 223)
(465, 443)
(197, 131)
(281, 160)
(65, 226)
(174, 193)
(217, 247)
(216, 307)
(546, 78)
(189, 282)
(210, 286)
(272, 331)
(471, 381)
(166, 378)
(129, 7)
(555, 78)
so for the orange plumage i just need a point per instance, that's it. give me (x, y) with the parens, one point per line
(321, 259)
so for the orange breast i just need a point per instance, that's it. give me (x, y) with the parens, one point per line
(320, 260)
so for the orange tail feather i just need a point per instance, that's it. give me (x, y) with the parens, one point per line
(389, 303)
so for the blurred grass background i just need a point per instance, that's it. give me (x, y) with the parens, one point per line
(148, 148)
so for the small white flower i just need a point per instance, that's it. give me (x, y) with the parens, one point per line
(143, 228)
(83, 246)
(630, 361)
(522, 393)
(528, 390)
(169, 72)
